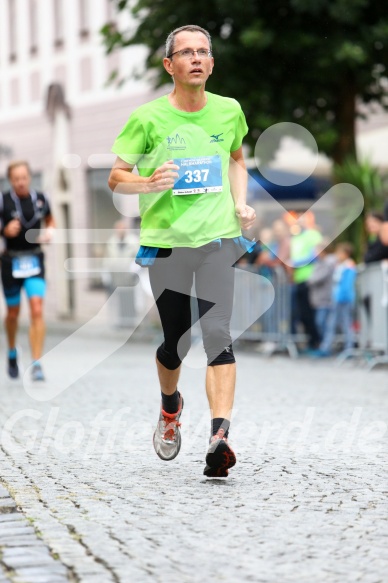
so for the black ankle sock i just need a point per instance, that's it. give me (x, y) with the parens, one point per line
(216, 425)
(170, 403)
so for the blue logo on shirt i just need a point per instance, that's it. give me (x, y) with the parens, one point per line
(216, 138)
(176, 143)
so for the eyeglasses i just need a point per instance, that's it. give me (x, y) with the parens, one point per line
(189, 53)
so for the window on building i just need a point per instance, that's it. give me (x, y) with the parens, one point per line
(14, 91)
(58, 23)
(109, 10)
(12, 29)
(4, 184)
(86, 74)
(35, 87)
(36, 182)
(33, 27)
(110, 13)
(83, 18)
(102, 213)
(60, 76)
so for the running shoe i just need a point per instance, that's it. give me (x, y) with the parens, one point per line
(167, 436)
(220, 456)
(13, 368)
(37, 372)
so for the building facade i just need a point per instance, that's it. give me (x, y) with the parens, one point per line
(58, 111)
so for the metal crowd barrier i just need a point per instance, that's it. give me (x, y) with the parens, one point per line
(372, 312)
(255, 317)
(253, 295)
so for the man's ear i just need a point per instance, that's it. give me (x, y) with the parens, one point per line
(167, 63)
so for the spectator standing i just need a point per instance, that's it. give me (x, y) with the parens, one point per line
(320, 285)
(303, 251)
(344, 295)
(275, 248)
(281, 242)
(265, 258)
(376, 250)
(384, 227)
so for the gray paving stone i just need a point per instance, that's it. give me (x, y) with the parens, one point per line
(28, 559)
(12, 529)
(7, 504)
(11, 517)
(3, 493)
(306, 501)
(21, 541)
(37, 579)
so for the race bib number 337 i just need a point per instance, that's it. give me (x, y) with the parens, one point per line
(200, 175)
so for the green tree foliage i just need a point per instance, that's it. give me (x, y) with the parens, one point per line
(307, 61)
(367, 179)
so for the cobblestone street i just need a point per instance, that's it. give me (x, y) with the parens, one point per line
(84, 498)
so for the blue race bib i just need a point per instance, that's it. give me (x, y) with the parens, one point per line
(25, 266)
(200, 175)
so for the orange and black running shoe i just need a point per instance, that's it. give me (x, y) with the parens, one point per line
(220, 456)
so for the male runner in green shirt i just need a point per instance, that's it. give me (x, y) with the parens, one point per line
(192, 205)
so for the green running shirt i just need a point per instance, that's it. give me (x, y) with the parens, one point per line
(157, 132)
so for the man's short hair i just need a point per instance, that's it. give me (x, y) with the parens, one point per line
(170, 41)
(16, 164)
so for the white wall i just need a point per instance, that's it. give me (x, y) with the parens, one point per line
(97, 115)
(64, 63)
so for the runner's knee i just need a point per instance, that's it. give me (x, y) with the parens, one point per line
(171, 357)
(224, 357)
(36, 310)
(13, 313)
(217, 343)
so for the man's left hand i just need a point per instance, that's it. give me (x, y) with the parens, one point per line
(246, 215)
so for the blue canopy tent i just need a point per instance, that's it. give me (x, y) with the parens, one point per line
(309, 189)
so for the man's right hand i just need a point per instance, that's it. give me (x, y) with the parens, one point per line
(163, 178)
(12, 229)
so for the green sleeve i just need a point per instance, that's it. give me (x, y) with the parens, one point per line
(241, 131)
(130, 144)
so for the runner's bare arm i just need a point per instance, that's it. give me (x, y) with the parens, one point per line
(47, 234)
(49, 221)
(238, 177)
(123, 181)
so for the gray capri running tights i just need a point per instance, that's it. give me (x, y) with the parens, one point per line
(171, 279)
